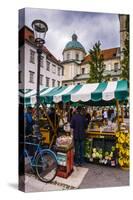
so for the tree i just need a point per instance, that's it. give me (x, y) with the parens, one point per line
(125, 52)
(96, 63)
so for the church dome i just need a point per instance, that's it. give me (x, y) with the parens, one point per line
(74, 44)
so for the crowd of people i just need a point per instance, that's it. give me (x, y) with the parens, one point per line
(77, 118)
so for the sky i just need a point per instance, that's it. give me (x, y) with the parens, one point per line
(89, 27)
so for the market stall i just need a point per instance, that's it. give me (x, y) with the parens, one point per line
(101, 143)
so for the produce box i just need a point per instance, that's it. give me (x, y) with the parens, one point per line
(101, 150)
(45, 135)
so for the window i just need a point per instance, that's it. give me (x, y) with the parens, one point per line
(31, 76)
(41, 62)
(68, 56)
(48, 66)
(47, 81)
(109, 67)
(62, 71)
(54, 69)
(32, 56)
(41, 79)
(105, 67)
(20, 77)
(58, 82)
(53, 83)
(83, 70)
(58, 71)
(77, 56)
(116, 67)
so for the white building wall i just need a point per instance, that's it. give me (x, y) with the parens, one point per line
(71, 70)
(21, 67)
(86, 67)
(25, 66)
(72, 55)
(110, 63)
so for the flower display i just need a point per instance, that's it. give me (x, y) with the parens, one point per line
(122, 145)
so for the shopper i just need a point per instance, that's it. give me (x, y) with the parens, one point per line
(112, 114)
(53, 116)
(88, 117)
(109, 113)
(79, 125)
(29, 122)
(105, 115)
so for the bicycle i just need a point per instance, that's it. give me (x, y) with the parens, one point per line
(42, 161)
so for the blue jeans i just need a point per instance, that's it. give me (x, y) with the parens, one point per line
(79, 151)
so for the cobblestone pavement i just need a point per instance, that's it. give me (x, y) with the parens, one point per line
(97, 176)
(103, 176)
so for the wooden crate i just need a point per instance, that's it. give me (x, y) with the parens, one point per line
(46, 135)
(65, 171)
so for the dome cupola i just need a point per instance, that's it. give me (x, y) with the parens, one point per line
(74, 44)
(74, 37)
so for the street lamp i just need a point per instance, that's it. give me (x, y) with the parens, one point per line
(40, 28)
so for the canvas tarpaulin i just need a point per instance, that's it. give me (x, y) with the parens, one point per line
(93, 92)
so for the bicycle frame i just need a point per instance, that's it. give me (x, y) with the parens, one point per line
(39, 149)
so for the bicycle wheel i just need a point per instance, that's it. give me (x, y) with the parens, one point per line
(46, 165)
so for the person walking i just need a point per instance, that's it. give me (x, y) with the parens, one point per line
(29, 122)
(79, 125)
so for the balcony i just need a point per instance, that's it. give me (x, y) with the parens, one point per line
(112, 73)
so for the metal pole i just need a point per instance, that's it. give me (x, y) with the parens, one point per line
(117, 108)
(39, 52)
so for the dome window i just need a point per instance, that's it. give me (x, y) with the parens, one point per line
(77, 56)
(83, 70)
(68, 56)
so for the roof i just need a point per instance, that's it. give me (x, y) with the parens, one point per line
(74, 44)
(91, 92)
(108, 54)
(26, 35)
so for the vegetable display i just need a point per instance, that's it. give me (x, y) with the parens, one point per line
(99, 155)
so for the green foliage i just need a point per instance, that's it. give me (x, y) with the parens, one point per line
(125, 51)
(96, 63)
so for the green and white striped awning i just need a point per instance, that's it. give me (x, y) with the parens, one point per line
(94, 92)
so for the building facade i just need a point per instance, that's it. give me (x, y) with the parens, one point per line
(50, 71)
(74, 69)
(75, 59)
(76, 63)
(73, 54)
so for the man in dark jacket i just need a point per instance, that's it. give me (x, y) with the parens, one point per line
(79, 125)
(29, 122)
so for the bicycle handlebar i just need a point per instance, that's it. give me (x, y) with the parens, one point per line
(34, 137)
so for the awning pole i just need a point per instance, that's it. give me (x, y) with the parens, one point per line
(52, 125)
(117, 109)
(122, 113)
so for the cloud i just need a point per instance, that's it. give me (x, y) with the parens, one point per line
(90, 27)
